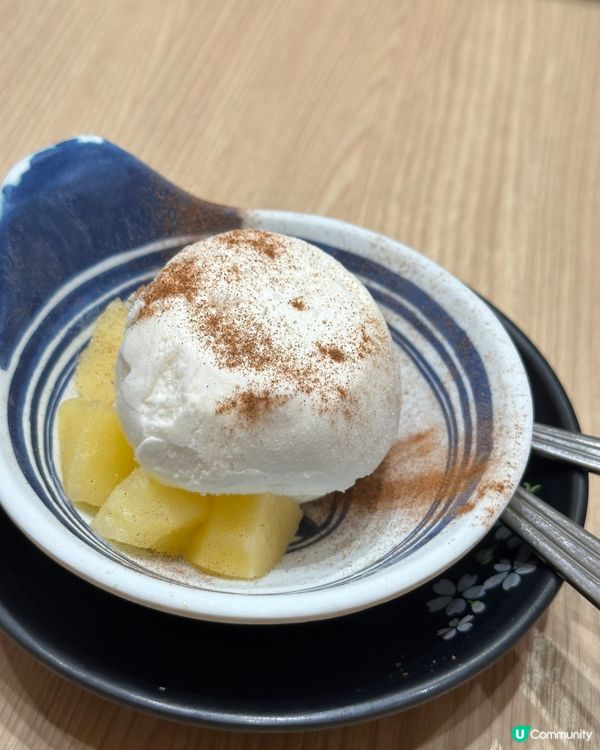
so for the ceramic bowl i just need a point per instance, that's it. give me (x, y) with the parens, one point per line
(83, 222)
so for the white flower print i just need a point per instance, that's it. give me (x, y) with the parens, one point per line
(509, 574)
(504, 534)
(461, 601)
(456, 626)
(455, 598)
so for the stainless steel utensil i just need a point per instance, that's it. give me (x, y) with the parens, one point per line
(569, 548)
(581, 450)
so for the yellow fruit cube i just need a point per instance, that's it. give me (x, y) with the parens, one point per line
(95, 456)
(245, 535)
(175, 543)
(95, 372)
(144, 513)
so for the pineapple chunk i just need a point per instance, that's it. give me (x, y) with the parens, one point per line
(95, 373)
(144, 513)
(95, 455)
(174, 544)
(245, 535)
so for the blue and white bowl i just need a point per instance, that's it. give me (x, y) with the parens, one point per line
(83, 222)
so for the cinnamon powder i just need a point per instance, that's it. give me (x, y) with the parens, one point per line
(409, 477)
(238, 338)
(250, 405)
(236, 345)
(266, 243)
(178, 279)
(333, 352)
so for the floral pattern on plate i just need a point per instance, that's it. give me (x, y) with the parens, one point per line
(464, 598)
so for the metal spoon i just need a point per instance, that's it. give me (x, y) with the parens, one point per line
(571, 550)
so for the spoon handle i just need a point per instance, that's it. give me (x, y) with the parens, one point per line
(562, 445)
(571, 550)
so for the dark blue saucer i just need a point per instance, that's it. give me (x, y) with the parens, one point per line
(301, 676)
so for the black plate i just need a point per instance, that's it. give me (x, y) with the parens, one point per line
(302, 676)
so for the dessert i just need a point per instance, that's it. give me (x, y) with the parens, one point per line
(252, 374)
(95, 456)
(94, 377)
(147, 514)
(248, 533)
(257, 363)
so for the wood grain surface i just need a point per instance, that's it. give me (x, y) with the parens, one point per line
(466, 128)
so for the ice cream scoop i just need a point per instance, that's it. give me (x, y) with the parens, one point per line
(254, 362)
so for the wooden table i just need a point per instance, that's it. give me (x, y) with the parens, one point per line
(466, 128)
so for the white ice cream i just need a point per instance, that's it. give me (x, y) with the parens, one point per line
(256, 363)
